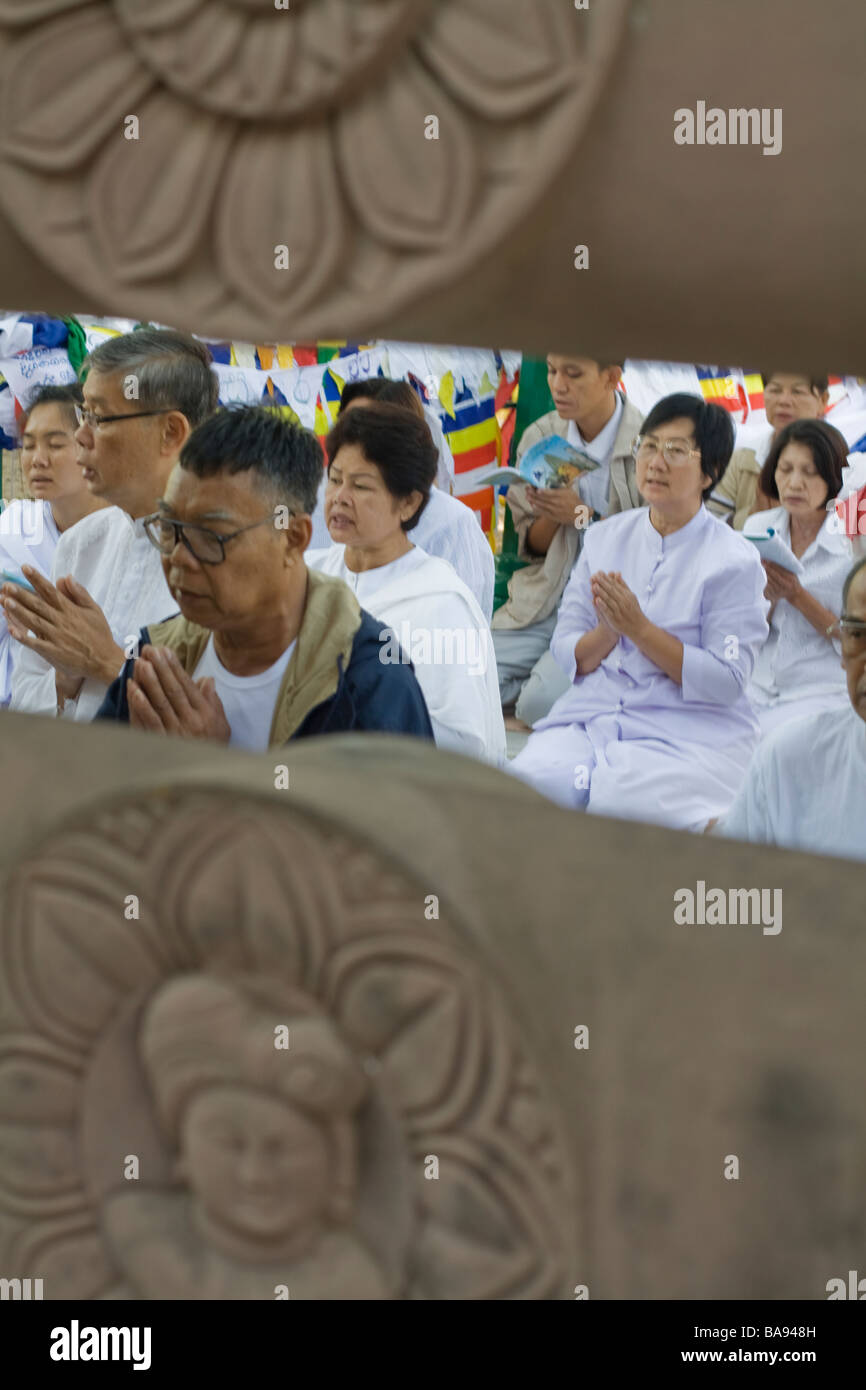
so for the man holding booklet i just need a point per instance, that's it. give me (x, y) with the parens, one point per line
(601, 423)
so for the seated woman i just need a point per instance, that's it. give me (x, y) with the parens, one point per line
(30, 528)
(787, 397)
(797, 671)
(658, 631)
(446, 527)
(381, 465)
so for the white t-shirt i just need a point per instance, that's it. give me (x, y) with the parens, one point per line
(248, 701)
(806, 788)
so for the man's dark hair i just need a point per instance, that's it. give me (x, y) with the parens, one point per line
(397, 441)
(284, 458)
(849, 580)
(172, 370)
(67, 397)
(828, 447)
(818, 384)
(714, 432)
(600, 362)
(384, 390)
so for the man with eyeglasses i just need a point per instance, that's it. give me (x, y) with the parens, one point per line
(263, 650)
(806, 785)
(144, 393)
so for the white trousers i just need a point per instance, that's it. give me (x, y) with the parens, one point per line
(590, 767)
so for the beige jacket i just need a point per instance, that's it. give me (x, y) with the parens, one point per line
(332, 617)
(739, 483)
(534, 591)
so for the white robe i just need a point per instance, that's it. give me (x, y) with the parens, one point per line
(110, 555)
(806, 788)
(440, 628)
(626, 740)
(449, 529)
(28, 536)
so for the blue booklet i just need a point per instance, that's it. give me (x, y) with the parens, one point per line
(553, 462)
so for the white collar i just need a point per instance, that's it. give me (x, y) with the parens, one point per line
(601, 447)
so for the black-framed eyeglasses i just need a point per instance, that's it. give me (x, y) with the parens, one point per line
(93, 422)
(848, 636)
(204, 545)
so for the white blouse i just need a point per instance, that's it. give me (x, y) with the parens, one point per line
(704, 584)
(796, 661)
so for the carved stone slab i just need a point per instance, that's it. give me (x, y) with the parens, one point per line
(384, 145)
(616, 1103)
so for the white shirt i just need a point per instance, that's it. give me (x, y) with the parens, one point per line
(449, 529)
(806, 788)
(248, 701)
(109, 554)
(28, 536)
(796, 662)
(703, 584)
(594, 487)
(440, 628)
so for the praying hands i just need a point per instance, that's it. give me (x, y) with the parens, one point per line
(62, 624)
(164, 699)
(616, 605)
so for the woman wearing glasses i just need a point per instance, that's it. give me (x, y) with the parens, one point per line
(658, 631)
(59, 497)
(797, 670)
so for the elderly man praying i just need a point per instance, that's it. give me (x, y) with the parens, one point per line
(263, 650)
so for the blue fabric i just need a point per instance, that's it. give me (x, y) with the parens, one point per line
(221, 352)
(370, 696)
(47, 332)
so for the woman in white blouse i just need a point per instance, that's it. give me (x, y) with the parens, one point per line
(381, 465)
(798, 671)
(658, 630)
(31, 527)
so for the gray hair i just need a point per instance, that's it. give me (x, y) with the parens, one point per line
(849, 580)
(172, 370)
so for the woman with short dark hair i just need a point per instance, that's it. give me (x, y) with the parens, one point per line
(381, 466)
(798, 671)
(657, 632)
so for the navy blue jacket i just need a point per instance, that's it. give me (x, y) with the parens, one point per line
(370, 695)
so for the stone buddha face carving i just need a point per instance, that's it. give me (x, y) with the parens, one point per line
(259, 1170)
(257, 1103)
